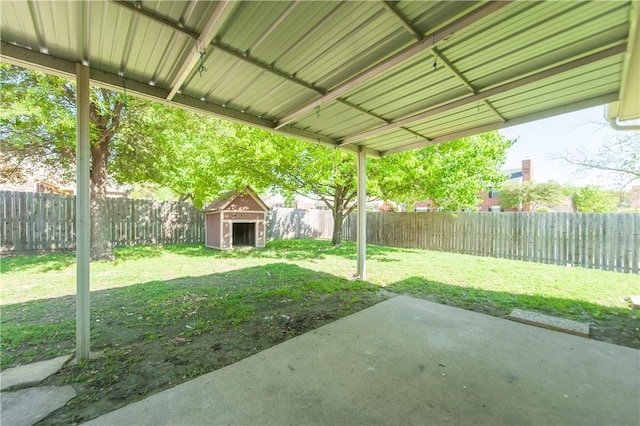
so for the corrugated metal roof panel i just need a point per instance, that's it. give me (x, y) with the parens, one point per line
(277, 60)
(469, 115)
(326, 58)
(429, 16)
(421, 83)
(542, 38)
(600, 79)
(391, 139)
(16, 27)
(342, 118)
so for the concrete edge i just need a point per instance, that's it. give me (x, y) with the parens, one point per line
(548, 326)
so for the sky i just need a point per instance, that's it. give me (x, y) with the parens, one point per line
(571, 133)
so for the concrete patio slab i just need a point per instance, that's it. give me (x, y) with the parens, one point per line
(408, 361)
(25, 407)
(32, 373)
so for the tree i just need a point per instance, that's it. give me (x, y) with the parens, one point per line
(185, 153)
(291, 166)
(533, 195)
(451, 174)
(197, 157)
(595, 200)
(38, 135)
(618, 158)
(131, 141)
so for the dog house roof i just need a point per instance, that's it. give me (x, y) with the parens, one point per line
(226, 199)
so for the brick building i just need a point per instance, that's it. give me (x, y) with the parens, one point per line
(491, 197)
(635, 197)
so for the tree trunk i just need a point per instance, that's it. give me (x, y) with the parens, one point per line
(338, 218)
(100, 241)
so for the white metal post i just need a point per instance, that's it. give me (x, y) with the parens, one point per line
(82, 212)
(362, 214)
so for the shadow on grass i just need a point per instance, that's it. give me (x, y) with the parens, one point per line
(124, 254)
(300, 249)
(613, 325)
(41, 262)
(194, 305)
(279, 249)
(158, 334)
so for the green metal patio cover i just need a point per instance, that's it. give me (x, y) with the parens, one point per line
(376, 77)
(387, 76)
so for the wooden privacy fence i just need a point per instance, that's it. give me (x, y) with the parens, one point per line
(608, 241)
(286, 223)
(34, 222)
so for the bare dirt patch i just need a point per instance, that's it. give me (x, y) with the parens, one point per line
(200, 333)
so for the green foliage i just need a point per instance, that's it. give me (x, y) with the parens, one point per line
(185, 152)
(37, 125)
(152, 293)
(198, 157)
(591, 199)
(536, 195)
(449, 174)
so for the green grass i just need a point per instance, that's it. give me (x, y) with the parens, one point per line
(41, 277)
(153, 286)
(163, 315)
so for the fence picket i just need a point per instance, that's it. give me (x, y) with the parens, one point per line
(45, 222)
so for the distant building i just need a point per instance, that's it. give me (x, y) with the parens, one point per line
(635, 197)
(491, 197)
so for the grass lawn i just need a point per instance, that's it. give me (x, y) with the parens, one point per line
(163, 315)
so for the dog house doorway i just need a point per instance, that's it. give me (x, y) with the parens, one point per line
(244, 234)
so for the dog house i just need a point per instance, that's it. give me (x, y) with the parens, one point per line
(235, 219)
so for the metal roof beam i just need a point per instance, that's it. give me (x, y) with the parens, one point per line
(391, 8)
(464, 80)
(416, 48)
(244, 57)
(201, 45)
(596, 101)
(158, 19)
(482, 95)
(379, 117)
(453, 70)
(495, 111)
(27, 58)
(238, 54)
(31, 59)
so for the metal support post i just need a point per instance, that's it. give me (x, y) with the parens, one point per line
(362, 214)
(82, 213)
